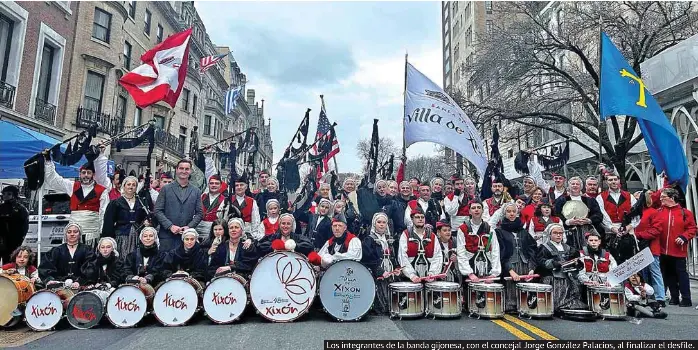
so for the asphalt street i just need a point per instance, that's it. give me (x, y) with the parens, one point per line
(309, 333)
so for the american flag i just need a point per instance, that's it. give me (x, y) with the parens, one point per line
(210, 61)
(323, 131)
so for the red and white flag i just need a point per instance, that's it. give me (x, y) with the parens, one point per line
(161, 76)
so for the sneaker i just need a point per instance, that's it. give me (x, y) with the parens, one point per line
(685, 303)
(661, 303)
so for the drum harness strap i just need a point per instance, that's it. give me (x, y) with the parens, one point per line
(420, 262)
(480, 260)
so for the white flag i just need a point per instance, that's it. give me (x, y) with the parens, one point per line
(431, 115)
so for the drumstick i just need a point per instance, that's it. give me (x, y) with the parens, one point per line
(506, 278)
(441, 275)
(391, 273)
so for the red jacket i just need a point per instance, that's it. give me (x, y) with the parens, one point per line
(30, 269)
(673, 223)
(644, 230)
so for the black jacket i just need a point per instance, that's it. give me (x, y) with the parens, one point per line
(119, 218)
(243, 262)
(319, 234)
(193, 262)
(94, 272)
(60, 266)
(527, 249)
(134, 266)
(303, 244)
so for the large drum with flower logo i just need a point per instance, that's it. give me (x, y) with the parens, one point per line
(283, 286)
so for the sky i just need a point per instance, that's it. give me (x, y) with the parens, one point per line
(351, 52)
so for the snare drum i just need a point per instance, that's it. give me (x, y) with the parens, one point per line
(608, 302)
(128, 304)
(347, 290)
(87, 308)
(283, 286)
(486, 300)
(535, 300)
(177, 300)
(15, 289)
(225, 298)
(406, 299)
(443, 299)
(45, 308)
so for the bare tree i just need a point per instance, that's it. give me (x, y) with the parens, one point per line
(540, 70)
(425, 167)
(386, 147)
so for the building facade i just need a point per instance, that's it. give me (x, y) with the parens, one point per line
(36, 42)
(62, 61)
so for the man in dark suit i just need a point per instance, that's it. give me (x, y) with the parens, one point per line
(178, 207)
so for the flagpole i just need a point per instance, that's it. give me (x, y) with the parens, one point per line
(334, 157)
(404, 101)
(601, 123)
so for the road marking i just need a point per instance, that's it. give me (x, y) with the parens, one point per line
(513, 330)
(531, 328)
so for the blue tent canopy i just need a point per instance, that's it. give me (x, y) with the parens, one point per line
(17, 144)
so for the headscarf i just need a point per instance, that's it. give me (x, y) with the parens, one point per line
(293, 228)
(329, 204)
(551, 226)
(270, 202)
(238, 220)
(376, 216)
(375, 188)
(113, 245)
(190, 231)
(126, 179)
(433, 181)
(65, 231)
(155, 233)
(274, 180)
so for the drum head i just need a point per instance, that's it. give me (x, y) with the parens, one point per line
(405, 286)
(225, 300)
(283, 286)
(175, 302)
(9, 300)
(44, 310)
(126, 306)
(85, 310)
(347, 290)
(442, 286)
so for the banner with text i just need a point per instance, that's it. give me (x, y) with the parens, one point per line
(431, 115)
(638, 262)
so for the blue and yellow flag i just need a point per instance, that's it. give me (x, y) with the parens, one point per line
(624, 93)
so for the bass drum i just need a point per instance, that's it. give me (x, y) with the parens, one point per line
(283, 286)
(128, 304)
(347, 290)
(15, 289)
(177, 300)
(225, 298)
(44, 310)
(87, 308)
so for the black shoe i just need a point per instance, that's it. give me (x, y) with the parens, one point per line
(685, 303)
(661, 303)
(673, 301)
(660, 314)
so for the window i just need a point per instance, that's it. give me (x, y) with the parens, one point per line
(448, 66)
(6, 30)
(456, 27)
(182, 137)
(469, 37)
(488, 26)
(121, 108)
(185, 99)
(207, 125)
(101, 27)
(148, 17)
(456, 53)
(137, 116)
(455, 6)
(94, 87)
(132, 9)
(159, 122)
(158, 35)
(467, 11)
(510, 153)
(488, 6)
(193, 105)
(45, 73)
(127, 55)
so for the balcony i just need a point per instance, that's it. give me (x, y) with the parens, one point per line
(105, 123)
(7, 94)
(169, 141)
(45, 111)
(215, 106)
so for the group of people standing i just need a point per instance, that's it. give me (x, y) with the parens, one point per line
(400, 230)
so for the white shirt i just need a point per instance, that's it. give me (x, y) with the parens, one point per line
(252, 227)
(354, 252)
(435, 262)
(55, 182)
(558, 246)
(486, 210)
